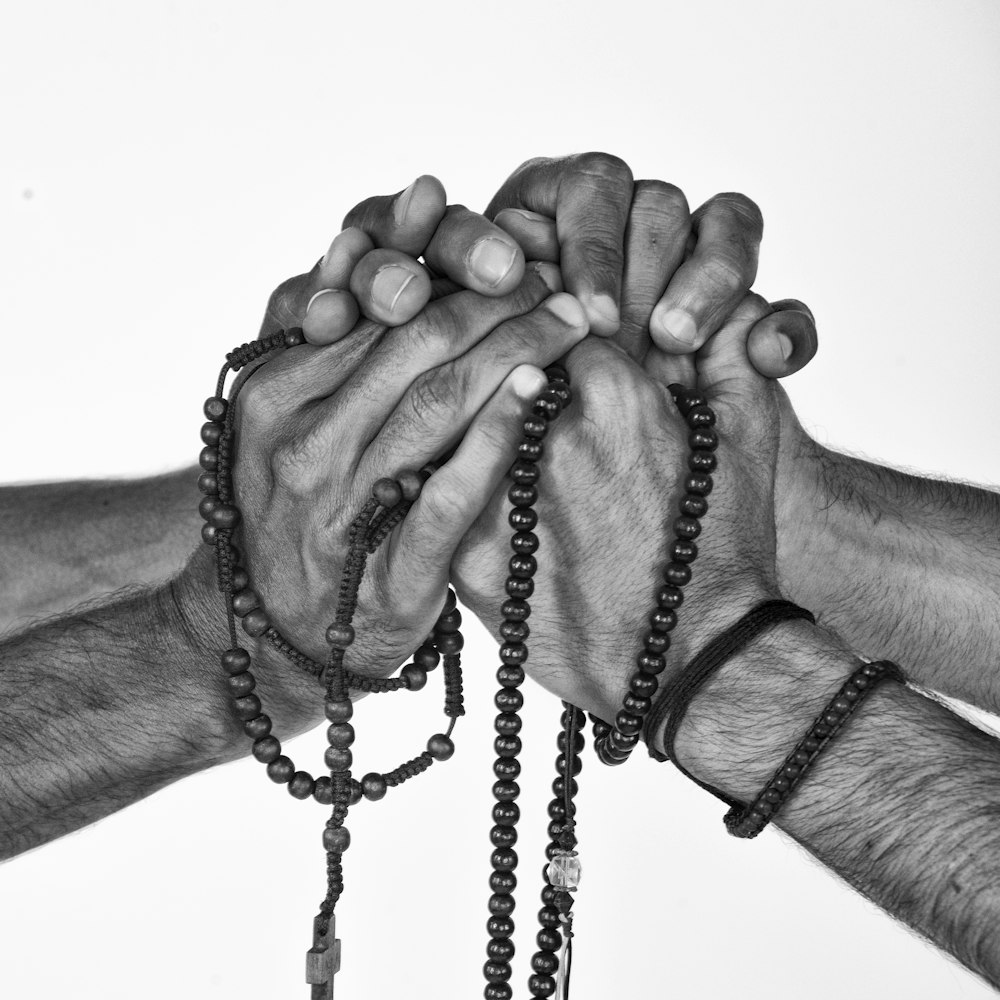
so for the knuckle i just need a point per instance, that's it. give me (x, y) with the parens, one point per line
(604, 167)
(432, 394)
(661, 195)
(286, 304)
(724, 276)
(441, 498)
(428, 334)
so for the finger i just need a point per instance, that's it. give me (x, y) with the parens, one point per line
(390, 287)
(723, 364)
(589, 196)
(405, 221)
(709, 285)
(535, 233)
(332, 310)
(475, 253)
(446, 329)
(421, 550)
(659, 224)
(442, 402)
(784, 342)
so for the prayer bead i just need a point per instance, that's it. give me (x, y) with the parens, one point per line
(414, 677)
(820, 731)
(522, 566)
(832, 719)
(267, 749)
(498, 972)
(562, 390)
(791, 770)
(215, 408)
(637, 705)
(627, 722)
(656, 643)
(772, 795)
(548, 939)
(677, 574)
(337, 840)
(508, 700)
(236, 660)
(501, 950)
(669, 597)
(575, 766)
(209, 534)
(548, 916)
(387, 492)
(559, 787)
(544, 962)
(700, 416)
(870, 670)
(448, 645)
(501, 905)
(301, 785)
(240, 580)
(810, 744)
(507, 724)
(515, 609)
(702, 461)
(281, 770)
(510, 675)
(256, 623)
(514, 631)
(703, 438)
(354, 792)
(338, 759)
(340, 636)
(294, 337)
(323, 791)
(247, 707)
(211, 432)
(530, 450)
(650, 663)
(691, 506)
(448, 623)
(339, 711)
(373, 786)
(244, 602)
(501, 927)
(207, 505)
(241, 684)
(410, 485)
(548, 404)
(699, 484)
(643, 685)
(506, 813)
(513, 654)
(503, 859)
(258, 726)
(498, 991)
(524, 543)
(507, 767)
(683, 551)
(440, 747)
(535, 426)
(687, 528)
(208, 482)
(577, 743)
(506, 791)
(524, 473)
(521, 495)
(522, 518)
(426, 657)
(841, 705)
(209, 458)
(781, 783)
(849, 693)
(340, 734)
(507, 746)
(503, 836)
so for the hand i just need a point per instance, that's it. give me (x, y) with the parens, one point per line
(316, 427)
(645, 264)
(610, 483)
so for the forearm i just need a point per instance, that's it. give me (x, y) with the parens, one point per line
(901, 566)
(878, 807)
(97, 711)
(63, 543)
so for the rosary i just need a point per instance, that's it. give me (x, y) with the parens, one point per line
(388, 504)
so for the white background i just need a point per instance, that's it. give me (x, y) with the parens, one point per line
(165, 165)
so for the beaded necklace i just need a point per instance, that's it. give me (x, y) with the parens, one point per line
(389, 502)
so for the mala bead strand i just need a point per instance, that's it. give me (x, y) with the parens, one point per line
(615, 743)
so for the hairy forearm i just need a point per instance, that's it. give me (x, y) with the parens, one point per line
(901, 566)
(62, 543)
(878, 807)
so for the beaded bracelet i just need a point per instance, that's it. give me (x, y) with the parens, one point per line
(748, 821)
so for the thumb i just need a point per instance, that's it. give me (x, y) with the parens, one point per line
(724, 369)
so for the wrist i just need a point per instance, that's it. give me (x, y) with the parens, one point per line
(751, 713)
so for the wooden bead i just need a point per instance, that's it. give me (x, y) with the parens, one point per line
(510, 675)
(507, 768)
(244, 602)
(507, 724)
(514, 631)
(354, 792)
(240, 580)
(643, 685)
(501, 927)
(677, 574)
(215, 408)
(575, 765)
(209, 458)
(410, 485)
(256, 623)
(225, 516)
(323, 791)
(497, 991)
(414, 677)
(241, 684)
(507, 746)
(531, 450)
(702, 461)
(650, 663)
(207, 505)
(628, 723)
(703, 438)
(373, 786)
(577, 742)
(548, 938)
(501, 904)
(448, 645)
(267, 749)
(506, 813)
(448, 622)
(281, 770)
(559, 787)
(691, 507)
(669, 598)
(522, 495)
(683, 551)
(513, 654)
(208, 482)
(340, 734)
(535, 427)
(515, 609)
(258, 726)
(522, 518)
(337, 840)
(301, 785)
(426, 657)
(236, 660)
(294, 337)
(387, 492)
(501, 950)
(209, 535)
(548, 916)
(508, 700)
(699, 483)
(211, 433)
(522, 566)
(636, 704)
(339, 711)
(338, 759)
(248, 707)
(340, 636)
(440, 747)
(545, 963)
(700, 416)
(687, 528)
(524, 542)
(503, 836)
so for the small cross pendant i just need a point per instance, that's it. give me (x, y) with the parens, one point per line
(323, 960)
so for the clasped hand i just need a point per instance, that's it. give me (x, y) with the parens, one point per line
(446, 359)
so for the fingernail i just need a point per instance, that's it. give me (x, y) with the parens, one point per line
(402, 204)
(389, 283)
(550, 274)
(527, 382)
(530, 216)
(604, 311)
(680, 325)
(322, 291)
(491, 260)
(567, 308)
(785, 345)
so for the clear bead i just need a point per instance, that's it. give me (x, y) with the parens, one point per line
(564, 871)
